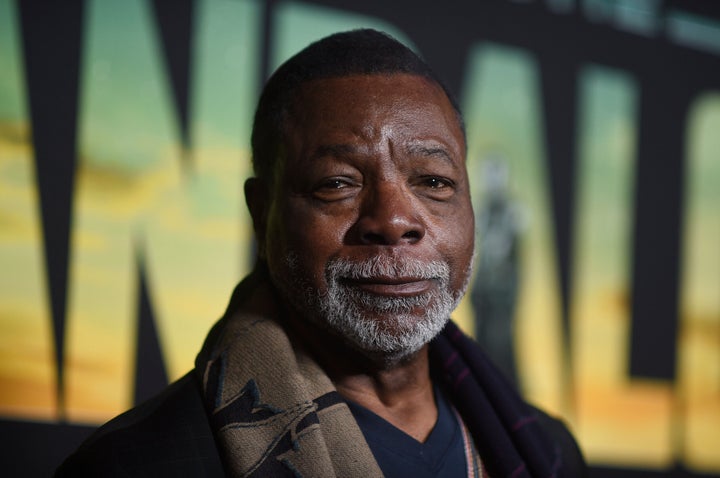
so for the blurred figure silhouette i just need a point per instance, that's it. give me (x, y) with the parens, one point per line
(494, 292)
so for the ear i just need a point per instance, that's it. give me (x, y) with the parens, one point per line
(257, 198)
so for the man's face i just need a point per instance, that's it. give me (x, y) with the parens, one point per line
(370, 227)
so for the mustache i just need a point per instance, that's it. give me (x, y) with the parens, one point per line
(387, 267)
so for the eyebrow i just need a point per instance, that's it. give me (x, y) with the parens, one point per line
(430, 151)
(333, 150)
(420, 149)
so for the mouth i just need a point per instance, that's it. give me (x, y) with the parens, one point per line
(391, 286)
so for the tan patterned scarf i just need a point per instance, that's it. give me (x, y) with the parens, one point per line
(273, 410)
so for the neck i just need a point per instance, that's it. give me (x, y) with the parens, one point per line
(402, 395)
(400, 392)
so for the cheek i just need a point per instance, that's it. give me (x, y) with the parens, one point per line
(314, 238)
(278, 239)
(315, 229)
(461, 252)
(457, 243)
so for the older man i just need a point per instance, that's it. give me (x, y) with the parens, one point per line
(336, 356)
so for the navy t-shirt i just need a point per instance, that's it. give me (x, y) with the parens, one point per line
(400, 455)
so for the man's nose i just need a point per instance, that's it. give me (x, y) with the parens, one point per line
(389, 216)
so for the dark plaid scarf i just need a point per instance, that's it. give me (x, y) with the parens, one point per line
(274, 412)
(512, 437)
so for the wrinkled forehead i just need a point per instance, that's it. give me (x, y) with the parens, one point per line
(303, 94)
(411, 102)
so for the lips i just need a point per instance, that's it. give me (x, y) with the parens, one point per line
(392, 286)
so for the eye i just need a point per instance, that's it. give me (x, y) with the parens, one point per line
(334, 184)
(436, 183)
(436, 187)
(334, 189)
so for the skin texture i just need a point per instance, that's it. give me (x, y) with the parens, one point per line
(373, 166)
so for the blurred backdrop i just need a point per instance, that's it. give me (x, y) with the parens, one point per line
(594, 154)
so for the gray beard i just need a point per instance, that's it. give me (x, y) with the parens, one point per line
(386, 329)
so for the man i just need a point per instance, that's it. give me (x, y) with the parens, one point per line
(335, 356)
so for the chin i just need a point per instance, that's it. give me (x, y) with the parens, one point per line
(380, 358)
(393, 359)
(382, 343)
(389, 360)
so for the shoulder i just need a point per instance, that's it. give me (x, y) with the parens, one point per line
(573, 461)
(508, 431)
(168, 435)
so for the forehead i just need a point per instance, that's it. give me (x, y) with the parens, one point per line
(360, 105)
